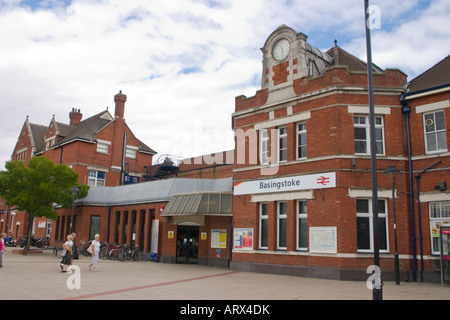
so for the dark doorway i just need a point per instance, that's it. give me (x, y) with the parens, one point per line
(187, 244)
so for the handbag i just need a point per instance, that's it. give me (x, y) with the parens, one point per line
(89, 249)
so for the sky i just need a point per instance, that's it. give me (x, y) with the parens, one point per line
(181, 63)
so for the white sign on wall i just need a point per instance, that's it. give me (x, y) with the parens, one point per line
(306, 182)
(323, 239)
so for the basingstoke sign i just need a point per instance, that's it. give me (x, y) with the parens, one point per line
(306, 182)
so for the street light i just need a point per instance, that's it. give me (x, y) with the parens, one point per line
(393, 170)
(74, 192)
(377, 289)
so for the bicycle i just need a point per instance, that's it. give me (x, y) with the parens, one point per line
(119, 253)
(110, 251)
(136, 253)
(133, 253)
(82, 249)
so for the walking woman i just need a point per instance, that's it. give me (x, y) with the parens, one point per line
(95, 245)
(66, 258)
(2, 248)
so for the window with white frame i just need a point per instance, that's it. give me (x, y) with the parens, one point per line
(364, 223)
(102, 147)
(96, 178)
(282, 225)
(302, 225)
(301, 140)
(362, 135)
(263, 225)
(439, 214)
(282, 144)
(131, 152)
(21, 155)
(435, 132)
(264, 146)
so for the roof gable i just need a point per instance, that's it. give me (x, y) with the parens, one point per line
(343, 58)
(86, 129)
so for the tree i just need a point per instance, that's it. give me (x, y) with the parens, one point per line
(39, 187)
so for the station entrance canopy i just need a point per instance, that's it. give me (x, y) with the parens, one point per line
(192, 208)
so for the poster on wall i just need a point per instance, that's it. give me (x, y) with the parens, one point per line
(243, 239)
(435, 233)
(323, 239)
(155, 236)
(218, 238)
(444, 231)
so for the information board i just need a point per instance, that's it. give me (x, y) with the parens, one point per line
(243, 239)
(154, 245)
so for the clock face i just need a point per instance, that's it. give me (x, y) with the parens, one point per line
(281, 49)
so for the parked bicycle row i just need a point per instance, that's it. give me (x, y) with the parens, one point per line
(113, 251)
(38, 242)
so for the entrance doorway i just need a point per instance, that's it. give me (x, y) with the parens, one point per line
(187, 244)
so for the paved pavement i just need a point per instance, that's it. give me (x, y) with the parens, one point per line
(38, 277)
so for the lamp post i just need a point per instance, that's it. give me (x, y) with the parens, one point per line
(74, 192)
(393, 170)
(377, 291)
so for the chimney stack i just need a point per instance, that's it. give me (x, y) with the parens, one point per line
(75, 117)
(120, 100)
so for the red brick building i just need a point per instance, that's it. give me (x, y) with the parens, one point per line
(193, 218)
(426, 105)
(102, 149)
(295, 196)
(302, 173)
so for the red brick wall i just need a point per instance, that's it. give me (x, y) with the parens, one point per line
(330, 134)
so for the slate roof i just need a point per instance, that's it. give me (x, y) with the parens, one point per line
(343, 58)
(435, 77)
(38, 131)
(85, 130)
(152, 191)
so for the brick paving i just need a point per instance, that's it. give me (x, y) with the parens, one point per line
(38, 277)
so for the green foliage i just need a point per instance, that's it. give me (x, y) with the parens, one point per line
(40, 186)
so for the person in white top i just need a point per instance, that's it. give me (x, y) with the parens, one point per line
(66, 261)
(95, 252)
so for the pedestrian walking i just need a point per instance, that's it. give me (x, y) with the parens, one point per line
(68, 242)
(74, 246)
(67, 259)
(2, 248)
(95, 246)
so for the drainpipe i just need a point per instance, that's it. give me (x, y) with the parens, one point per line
(406, 111)
(124, 151)
(231, 242)
(419, 216)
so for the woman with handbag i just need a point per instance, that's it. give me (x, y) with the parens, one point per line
(94, 249)
(66, 257)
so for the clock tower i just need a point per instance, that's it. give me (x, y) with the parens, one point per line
(288, 56)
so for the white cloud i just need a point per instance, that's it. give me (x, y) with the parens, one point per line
(181, 63)
(412, 46)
